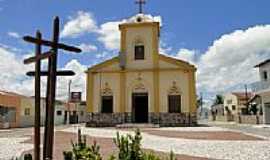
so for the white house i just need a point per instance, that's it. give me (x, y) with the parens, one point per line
(236, 103)
(262, 88)
(27, 112)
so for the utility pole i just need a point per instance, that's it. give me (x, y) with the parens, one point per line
(201, 104)
(69, 98)
(69, 86)
(246, 92)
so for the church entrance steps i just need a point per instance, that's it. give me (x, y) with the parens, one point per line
(137, 125)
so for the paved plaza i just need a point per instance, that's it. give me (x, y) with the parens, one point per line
(216, 142)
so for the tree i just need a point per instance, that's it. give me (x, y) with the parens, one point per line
(199, 102)
(218, 100)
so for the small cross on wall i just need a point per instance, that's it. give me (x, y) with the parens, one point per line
(140, 3)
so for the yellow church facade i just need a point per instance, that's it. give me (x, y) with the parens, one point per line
(141, 85)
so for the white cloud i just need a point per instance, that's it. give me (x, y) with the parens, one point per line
(187, 55)
(228, 63)
(13, 72)
(82, 23)
(78, 81)
(104, 55)
(109, 35)
(86, 48)
(14, 34)
(13, 76)
(10, 48)
(164, 48)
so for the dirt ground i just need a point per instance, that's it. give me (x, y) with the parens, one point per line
(107, 147)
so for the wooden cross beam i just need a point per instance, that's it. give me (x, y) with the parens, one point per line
(51, 44)
(38, 57)
(46, 73)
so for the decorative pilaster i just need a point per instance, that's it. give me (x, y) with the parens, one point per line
(122, 95)
(156, 68)
(90, 89)
(192, 92)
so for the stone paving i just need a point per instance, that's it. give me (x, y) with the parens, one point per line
(12, 142)
(107, 147)
(238, 150)
(13, 147)
(193, 129)
(15, 142)
(262, 130)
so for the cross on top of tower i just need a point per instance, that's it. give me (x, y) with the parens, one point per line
(140, 3)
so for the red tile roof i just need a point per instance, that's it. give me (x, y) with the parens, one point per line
(7, 93)
(242, 95)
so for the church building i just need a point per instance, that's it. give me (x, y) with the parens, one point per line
(140, 85)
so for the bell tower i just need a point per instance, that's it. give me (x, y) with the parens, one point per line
(139, 42)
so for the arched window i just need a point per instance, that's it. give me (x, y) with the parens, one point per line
(139, 51)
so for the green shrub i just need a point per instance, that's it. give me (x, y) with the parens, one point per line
(80, 150)
(150, 156)
(172, 156)
(129, 148)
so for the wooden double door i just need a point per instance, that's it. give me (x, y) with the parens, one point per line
(140, 107)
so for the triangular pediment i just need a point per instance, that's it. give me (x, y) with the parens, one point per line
(112, 63)
(170, 62)
(164, 62)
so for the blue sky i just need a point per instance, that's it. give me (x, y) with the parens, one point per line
(190, 24)
(190, 27)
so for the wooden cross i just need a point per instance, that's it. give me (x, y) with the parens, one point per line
(140, 3)
(51, 86)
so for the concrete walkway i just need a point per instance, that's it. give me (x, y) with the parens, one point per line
(214, 149)
(261, 130)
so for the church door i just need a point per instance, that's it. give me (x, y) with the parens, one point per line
(140, 107)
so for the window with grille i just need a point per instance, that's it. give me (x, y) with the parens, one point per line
(139, 52)
(229, 101)
(7, 114)
(27, 111)
(107, 104)
(174, 103)
(59, 113)
(265, 76)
